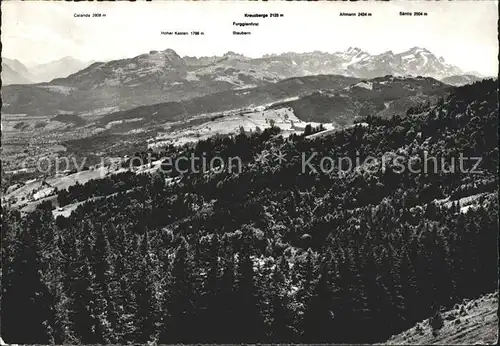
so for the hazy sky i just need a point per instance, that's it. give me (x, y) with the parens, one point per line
(463, 32)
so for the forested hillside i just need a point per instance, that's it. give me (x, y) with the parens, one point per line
(274, 253)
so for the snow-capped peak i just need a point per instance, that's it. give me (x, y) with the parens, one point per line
(418, 50)
(353, 51)
(233, 55)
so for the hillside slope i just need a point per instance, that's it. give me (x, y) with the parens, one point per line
(57, 69)
(12, 76)
(382, 96)
(164, 76)
(234, 99)
(15, 72)
(472, 322)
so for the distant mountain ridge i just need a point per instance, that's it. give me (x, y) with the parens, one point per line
(19, 73)
(11, 76)
(164, 76)
(15, 72)
(459, 80)
(353, 62)
(58, 69)
(358, 63)
(155, 77)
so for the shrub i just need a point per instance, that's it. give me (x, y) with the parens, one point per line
(419, 329)
(436, 322)
(450, 317)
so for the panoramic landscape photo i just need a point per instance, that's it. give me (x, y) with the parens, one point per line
(246, 172)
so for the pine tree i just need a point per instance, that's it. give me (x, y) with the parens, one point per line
(318, 316)
(84, 313)
(307, 273)
(250, 325)
(225, 316)
(101, 267)
(409, 285)
(180, 311)
(144, 295)
(210, 316)
(27, 304)
(281, 316)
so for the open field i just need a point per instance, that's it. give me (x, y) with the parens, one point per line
(28, 190)
(233, 122)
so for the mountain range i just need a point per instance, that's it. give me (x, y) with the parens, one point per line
(353, 62)
(164, 76)
(15, 72)
(11, 76)
(358, 63)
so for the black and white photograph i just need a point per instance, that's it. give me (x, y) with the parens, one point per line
(249, 172)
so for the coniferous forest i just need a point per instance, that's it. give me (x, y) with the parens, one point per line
(271, 254)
